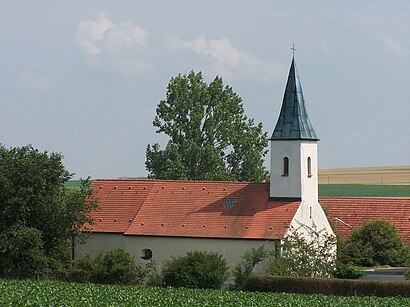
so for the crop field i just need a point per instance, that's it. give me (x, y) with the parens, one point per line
(32, 293)
(363, 190)
(387, 175)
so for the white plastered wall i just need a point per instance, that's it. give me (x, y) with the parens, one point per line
(309, 184)
(298, 183)
(285, 186)
(97, 243)
(163, 248)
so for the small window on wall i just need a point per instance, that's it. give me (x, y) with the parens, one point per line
(309, 167)
(146, 254)
(285, 166)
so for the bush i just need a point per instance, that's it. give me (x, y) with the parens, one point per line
(21, 253)
(348, 271)
(114, 267)
(197, 269)
(243, 270)
(280, 266)
(375, 244)
(328, 286)
(306, 252)
(407, 274)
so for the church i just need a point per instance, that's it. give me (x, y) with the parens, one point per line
(158, 219)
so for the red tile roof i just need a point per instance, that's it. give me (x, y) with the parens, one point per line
(190, 208)
(356, 211)
(213, 209)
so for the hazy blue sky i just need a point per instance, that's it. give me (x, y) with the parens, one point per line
(84, 77)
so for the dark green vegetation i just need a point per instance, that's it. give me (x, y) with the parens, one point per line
(210, 137)
(114, 267)
(31, 293)
(38, 214)
(197, 269)
(376, 243)
(243, 270)
(363, 190)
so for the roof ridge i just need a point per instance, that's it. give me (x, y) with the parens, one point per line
(177, 180)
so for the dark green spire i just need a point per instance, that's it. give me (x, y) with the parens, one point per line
(293, 122)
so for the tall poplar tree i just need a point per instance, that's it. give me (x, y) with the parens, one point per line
(210, 137)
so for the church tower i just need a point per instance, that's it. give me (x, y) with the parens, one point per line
(294, 148)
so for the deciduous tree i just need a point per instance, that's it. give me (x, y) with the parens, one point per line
(38, 215)
(210, 137)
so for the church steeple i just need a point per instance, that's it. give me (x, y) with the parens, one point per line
(294, 147)
(293, 122)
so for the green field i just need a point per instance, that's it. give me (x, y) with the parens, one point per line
(363, 190)
(32, 293)
(73, 183)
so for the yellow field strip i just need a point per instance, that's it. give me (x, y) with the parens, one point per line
(397, 175)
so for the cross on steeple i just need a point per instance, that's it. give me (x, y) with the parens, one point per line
(293, 50)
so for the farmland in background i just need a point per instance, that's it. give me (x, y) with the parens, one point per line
(386, 175)
(47, 293)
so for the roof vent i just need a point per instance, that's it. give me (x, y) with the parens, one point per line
(101, 219)
(142, 224)
(145, 188)
(204, 225)
(101, 187)
(271, 227)
(130, 187)
(246, 227)
(115, 220)
(229, 203)
(163, 224)
(183, 225)
(183, 188)
(115, 187)
(225, 188)
(226, 226)
(204, 188)
(163, 187)
(130, 220)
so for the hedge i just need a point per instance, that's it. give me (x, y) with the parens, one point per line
(328, 286)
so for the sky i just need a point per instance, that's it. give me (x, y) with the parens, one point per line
(83, 78)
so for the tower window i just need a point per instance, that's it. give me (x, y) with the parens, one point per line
(285, 166)
(309, 167)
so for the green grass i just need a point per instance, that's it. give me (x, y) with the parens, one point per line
(363, 190)
(32, 293)
(73, 184)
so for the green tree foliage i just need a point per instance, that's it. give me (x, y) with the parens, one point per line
(306, 252)
(114, 267)
(38, 215)
(375, 243)
(197, 269)
(210, 138)
(242, 272)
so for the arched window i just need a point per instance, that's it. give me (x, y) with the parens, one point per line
(309, 167)
(285, 166)
(146, 254)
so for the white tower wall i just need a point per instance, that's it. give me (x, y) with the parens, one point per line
(297, 183)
